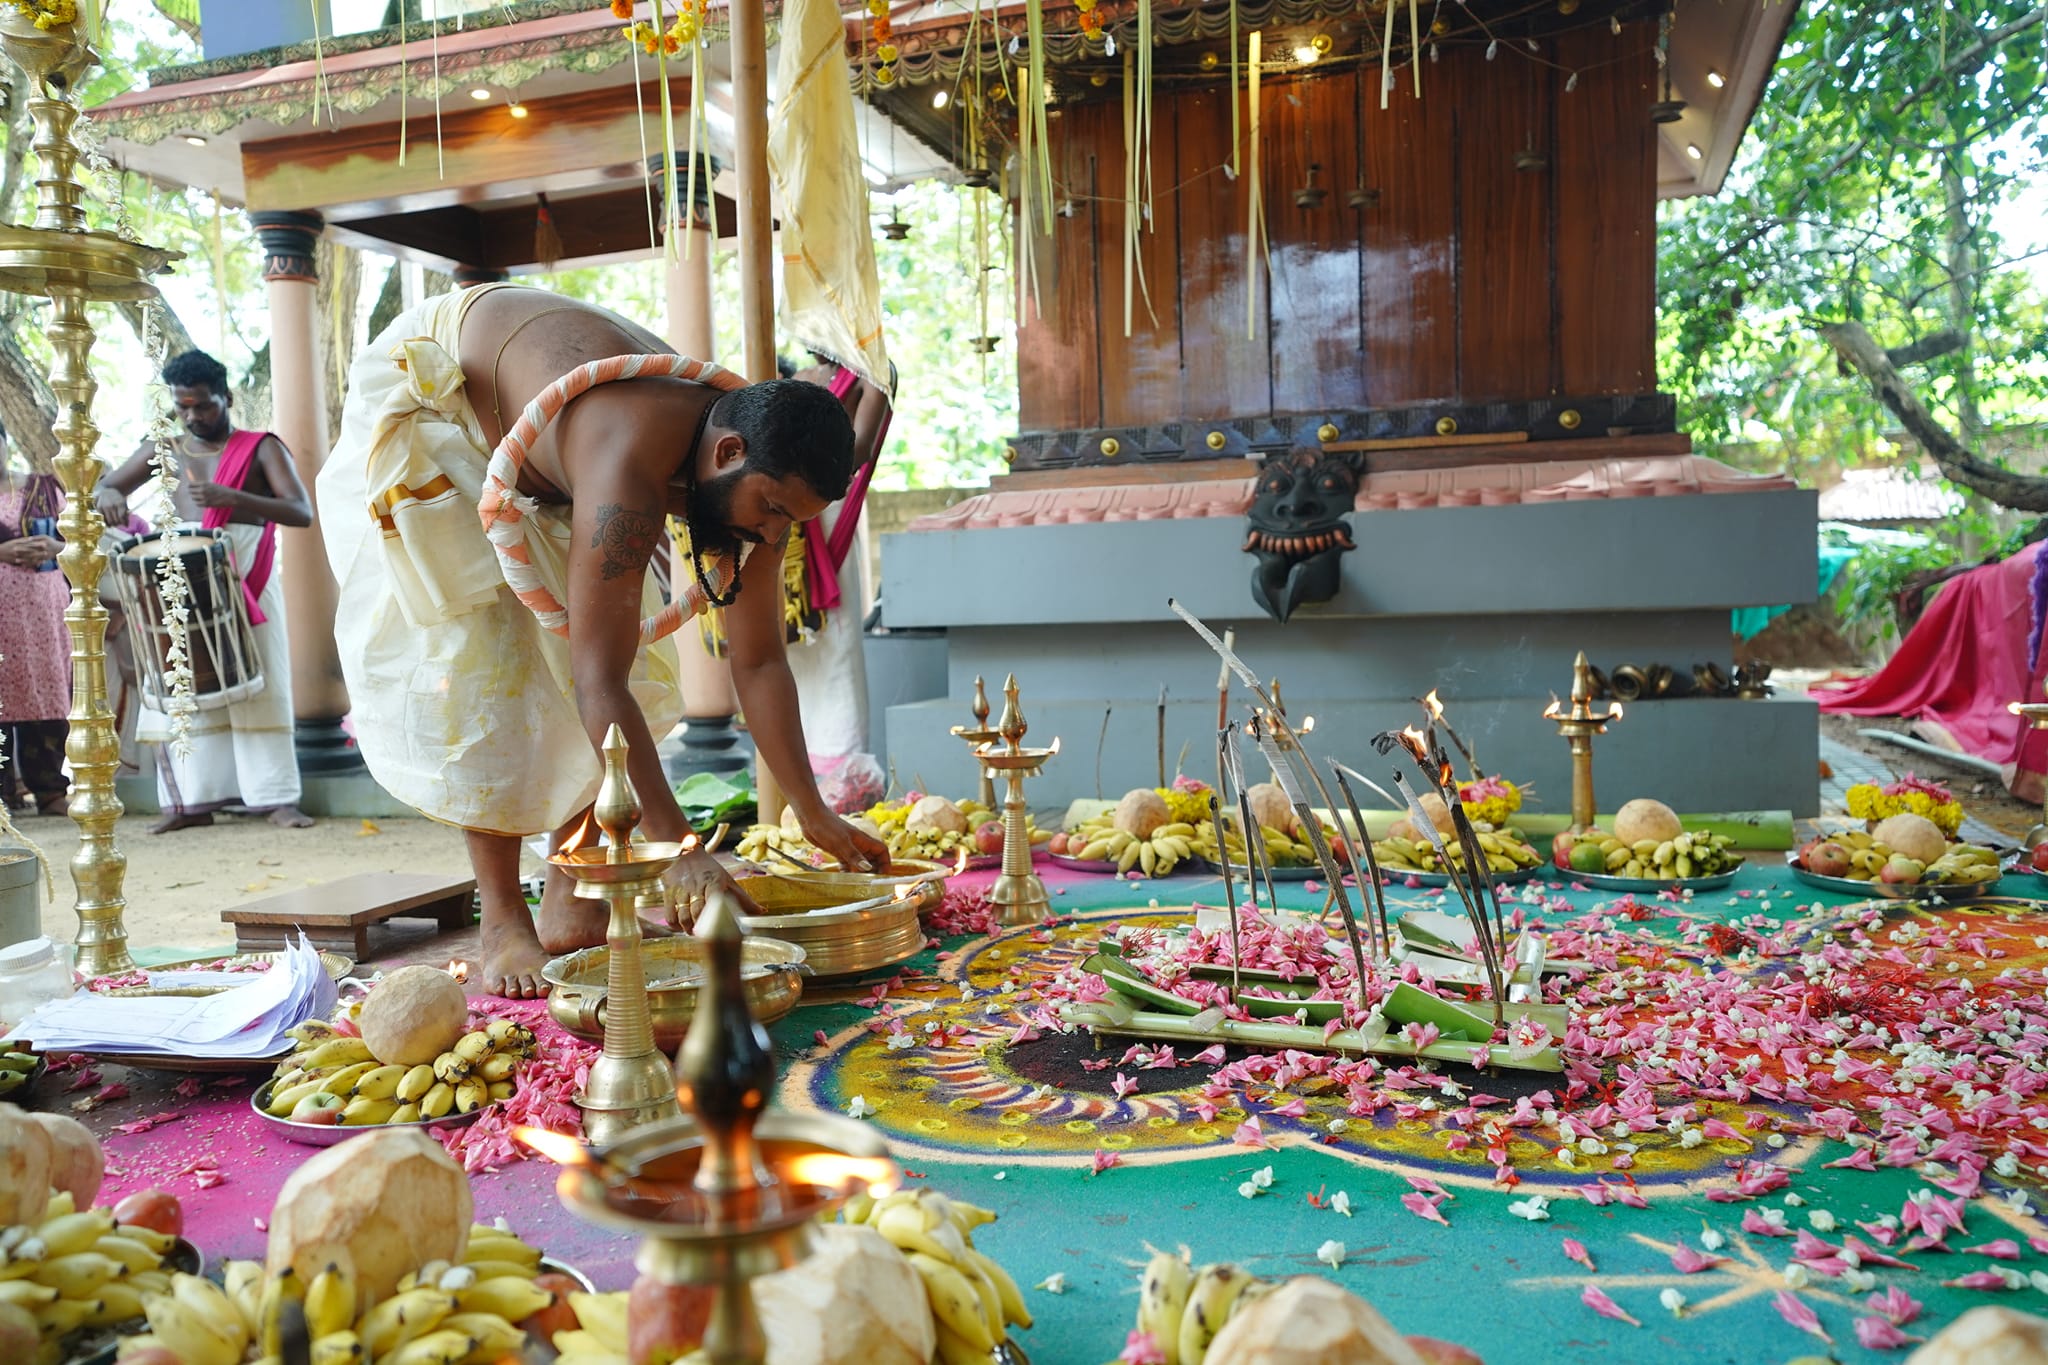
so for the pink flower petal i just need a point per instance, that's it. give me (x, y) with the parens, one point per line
(1250, 1134)
(1875, 1334)
(1576, 1250)
(1895, 1305)
(1978, 1279)
(1793, 1309)
(1428, 1186)
(2004, 1249)
(1690, 1262)
(1141, 1349)
(1423, 1206)
(1596, 1299)
(1756, 1225)
(1102, 1161)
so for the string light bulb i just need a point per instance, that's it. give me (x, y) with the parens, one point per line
(517, 110)
(941, 98)
(480, 93)
(1692, 149)
(1716, 79)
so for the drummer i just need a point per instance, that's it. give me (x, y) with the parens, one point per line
(243, 484)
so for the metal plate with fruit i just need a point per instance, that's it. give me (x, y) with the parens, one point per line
(1904, 857)
(19, 1070)
(1713, 882)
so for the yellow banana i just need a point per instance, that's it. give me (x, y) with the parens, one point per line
(495, 1337)
(405, 1113)
(991, 1300)
(337, 1052)
(159, 1242)
(402, 1318)
(1007, 1292)
(499, 1270)
(78, 1275)
(955, 1303)
(214, 1310)
(129, 1252)
(118, 1302)
(193, 1340)
(584, 1348)
(954, 1351)
(502, 1090)
(62, 1317)
(337, 1348)
(244, 1284)
(70, 1233)
(435, 1348)
(604, 1317)
(26, 1294)
(380, 1083)
(473, 1047)
(471, 1096)
(414, 1084)
(497, 1067)
(514, 1300)
(1210, 1300)
(282, 1102)
(1162, 1300)
(284, 1287)
(361, 1112)
(149, 1281)
(451, 1067)
(331, 1300)
(501, 1246)
(436, 1104)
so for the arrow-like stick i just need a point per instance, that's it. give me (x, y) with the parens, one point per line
(1229, 892)
(1383, 943)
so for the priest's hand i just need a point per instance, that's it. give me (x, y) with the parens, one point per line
(855, 849)
(207, 493)
(690, 883)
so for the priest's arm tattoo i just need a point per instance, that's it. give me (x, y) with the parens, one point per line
(627, 538)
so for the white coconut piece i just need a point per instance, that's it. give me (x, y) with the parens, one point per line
(25, 1160)
(413, 1016)
(1987, 1336)
(1916, 836)
(1643, 818)
(935, 815)
(1309, 1321)
(858, 1301)
(76, 1162)
(392, 1199)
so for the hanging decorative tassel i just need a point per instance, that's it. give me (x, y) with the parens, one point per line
(687, 210)
(1041, 140)
(1145, 98)
(1387, 57)
(1254, 211)
(403, 92)
(1236, 134)
(440, 152)
(320, 92)
(1414, 46)
(646, 162)
(547, 243)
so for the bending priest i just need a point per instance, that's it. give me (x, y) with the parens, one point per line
(497, 494)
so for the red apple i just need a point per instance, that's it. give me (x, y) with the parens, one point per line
(1058, 844)
(1561, 850)
(665, 1321)
(152, 1209)
(557, 1316)
(2039, 857)
(989, 838)
(1827, 859)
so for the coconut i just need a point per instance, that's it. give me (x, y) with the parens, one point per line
(1644, 819)
(413, 1016)
(936, 815)
(1916, 836)
(1270, 806)
(1987, 1336)
(76, 1162)
(25, 1159)
(1140, 812)
(1439, 814)
(857, 1301)
(391, 1199)
(1309, 1321)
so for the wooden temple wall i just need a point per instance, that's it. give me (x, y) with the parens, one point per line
(1469, 280)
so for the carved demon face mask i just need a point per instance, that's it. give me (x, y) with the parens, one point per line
(1297, 529)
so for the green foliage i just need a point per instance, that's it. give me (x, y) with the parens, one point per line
(1890, 141)
(1886, 560)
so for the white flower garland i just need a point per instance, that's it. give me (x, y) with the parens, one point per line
(172, 583)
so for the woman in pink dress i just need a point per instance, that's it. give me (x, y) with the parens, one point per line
(35, 648)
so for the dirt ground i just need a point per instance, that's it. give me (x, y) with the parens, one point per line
(178, 884)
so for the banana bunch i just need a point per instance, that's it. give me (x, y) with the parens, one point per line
(891, 822)
(973, 1300)
(15, 1064)
(79, 1269)
(1689, 855)
(1282, 848)
(332, 1071)
(600, 1336)
(1099, 840)
(1963, 864)
(441, 1315)
(1866, 860)
(1506, 851)
(1183, 1308)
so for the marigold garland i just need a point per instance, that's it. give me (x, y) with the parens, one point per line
(1909, 796)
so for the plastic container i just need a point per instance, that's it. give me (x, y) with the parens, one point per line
(21, 904)
(31, 974)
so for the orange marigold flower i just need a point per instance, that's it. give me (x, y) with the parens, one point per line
(622, 9)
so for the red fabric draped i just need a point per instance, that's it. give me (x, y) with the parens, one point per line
(1963, 661)
(237, 459)
(825, 556)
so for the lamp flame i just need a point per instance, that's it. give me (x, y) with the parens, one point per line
(1614, 712)
(960, 863)
(459, 969)
(1055, 747)
(584, 835)
(691, 842)
(1554, 711)
(559, 1148)
(1412, 740)
(1308, 724)
(846, 1174)
(2012, 708)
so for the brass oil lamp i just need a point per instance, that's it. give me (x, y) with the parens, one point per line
(976, 737)
(1578, 726)
(1018, 895)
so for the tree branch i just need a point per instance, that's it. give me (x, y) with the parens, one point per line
(1861, 353)
(27, 407)
(1926, 348)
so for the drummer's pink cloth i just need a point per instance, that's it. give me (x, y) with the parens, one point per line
(1964, 660)
(823, 560)
(236, 461)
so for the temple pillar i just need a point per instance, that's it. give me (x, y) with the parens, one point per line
(708, 743)
(299, 417)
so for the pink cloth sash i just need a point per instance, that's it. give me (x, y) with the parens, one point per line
(825, 556)
(236, 461)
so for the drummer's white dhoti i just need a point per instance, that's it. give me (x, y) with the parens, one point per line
(242, 752)
(464, 706)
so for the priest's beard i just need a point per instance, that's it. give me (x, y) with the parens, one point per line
(710, 516)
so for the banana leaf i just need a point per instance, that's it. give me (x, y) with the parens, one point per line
(711, 799)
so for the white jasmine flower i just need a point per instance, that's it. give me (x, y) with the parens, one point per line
(1672, 1300)
(1331, 1253)
(858, 1107)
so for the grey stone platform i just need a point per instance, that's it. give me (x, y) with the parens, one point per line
(1488, 604)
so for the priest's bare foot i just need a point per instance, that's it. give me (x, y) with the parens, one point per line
(568, 922)
(290, 817)
(513, 955)
(178, 820)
